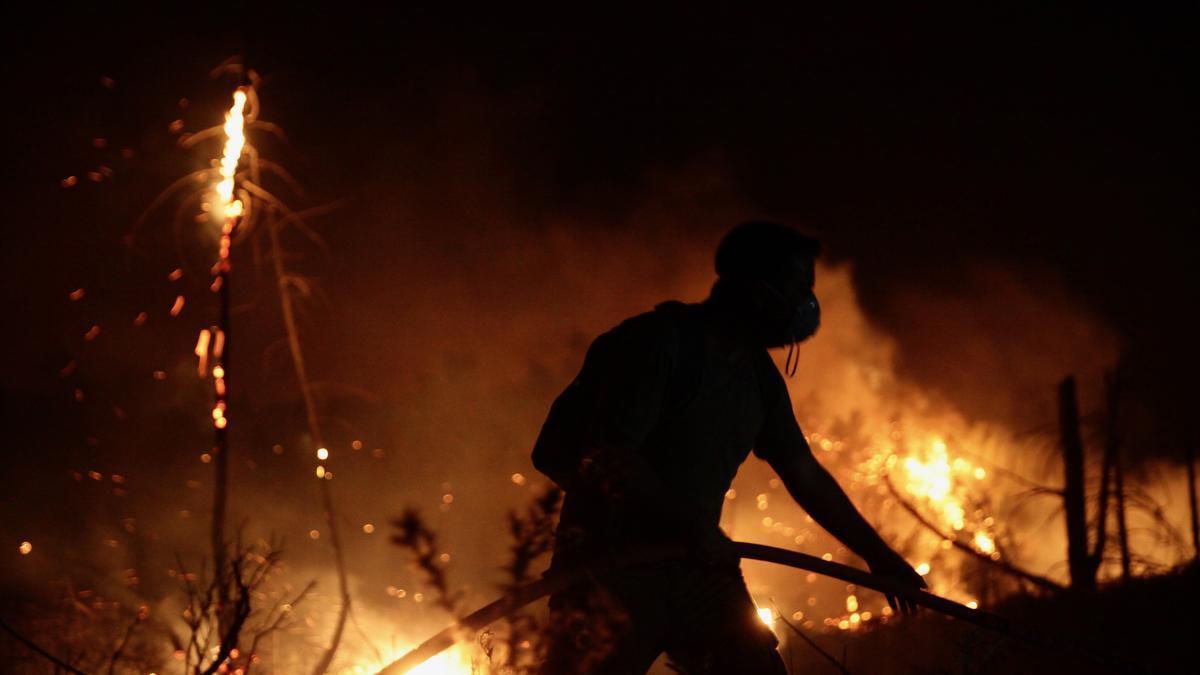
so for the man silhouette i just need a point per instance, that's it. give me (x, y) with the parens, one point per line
(646, 441)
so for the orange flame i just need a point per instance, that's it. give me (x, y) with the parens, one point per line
(235, 140)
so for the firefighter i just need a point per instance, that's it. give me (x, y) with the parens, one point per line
(645, 442)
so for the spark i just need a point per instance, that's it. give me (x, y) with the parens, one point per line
(984, 542)
(201, 351)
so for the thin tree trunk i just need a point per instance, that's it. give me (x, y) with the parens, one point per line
(1122, 528)
(314, 427)
(1191, 477)
(1110, 452)
(1074, 492)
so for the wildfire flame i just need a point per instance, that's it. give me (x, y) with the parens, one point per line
(943, 483)
(453, 661)
(235, 140)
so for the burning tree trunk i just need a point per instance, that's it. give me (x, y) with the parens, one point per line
(229, 209)
(1074, 493)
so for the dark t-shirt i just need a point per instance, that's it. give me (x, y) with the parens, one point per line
(695, 417)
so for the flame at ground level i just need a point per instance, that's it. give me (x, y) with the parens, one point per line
(453, 661)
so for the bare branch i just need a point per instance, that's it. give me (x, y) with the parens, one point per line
(1005, 567)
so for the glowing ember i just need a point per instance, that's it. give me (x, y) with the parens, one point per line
(25, 548)
(766, 616)
(984, 542)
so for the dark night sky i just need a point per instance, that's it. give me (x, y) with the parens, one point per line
(1050, 143)
(949, 157)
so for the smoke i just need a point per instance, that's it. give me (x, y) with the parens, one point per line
(463, 285)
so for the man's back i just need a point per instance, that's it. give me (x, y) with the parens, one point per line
(651, 385)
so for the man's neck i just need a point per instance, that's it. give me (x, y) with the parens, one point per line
(725, 334)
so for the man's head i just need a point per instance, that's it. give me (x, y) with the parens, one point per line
(766, 273)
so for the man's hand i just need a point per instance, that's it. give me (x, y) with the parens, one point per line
(895, 569)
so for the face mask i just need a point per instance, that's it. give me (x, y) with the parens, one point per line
(803, 322)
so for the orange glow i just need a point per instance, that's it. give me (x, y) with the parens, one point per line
(25, 548)
(178, 306)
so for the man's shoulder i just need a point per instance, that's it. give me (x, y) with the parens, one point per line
(659, 328)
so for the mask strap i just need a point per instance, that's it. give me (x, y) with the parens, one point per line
(790, 365)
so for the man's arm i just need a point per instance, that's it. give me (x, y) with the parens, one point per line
(784, 447)
(819, 494)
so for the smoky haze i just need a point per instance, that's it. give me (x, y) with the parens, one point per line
(995, 219)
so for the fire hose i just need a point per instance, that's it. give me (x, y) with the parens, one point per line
(561, 580)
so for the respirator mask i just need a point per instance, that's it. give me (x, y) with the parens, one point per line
(801, 324)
